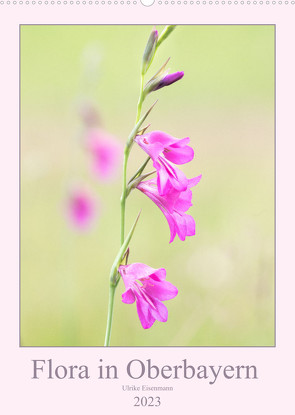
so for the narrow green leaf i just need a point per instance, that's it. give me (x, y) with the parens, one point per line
(138, 125)
(122, 251)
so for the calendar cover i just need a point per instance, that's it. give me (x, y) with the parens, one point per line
(146, 204)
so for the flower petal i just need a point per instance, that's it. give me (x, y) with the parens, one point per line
(171, 223)
(194, 181)
(162, 290)
(185, 225)
(180, 155)
(152, 149)
(180, 225)
(179, 152)
(184, 201)
(176, 177)
(138, 271)
(128, 297)
(190, 225)
(159, 274)
(143, 311)
(160, 311)
(180, 142)
(163, 179)
(161, 137)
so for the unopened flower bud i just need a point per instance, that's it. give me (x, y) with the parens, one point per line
(149, 51)
(162, 81)
(169, 79)
(166, 32)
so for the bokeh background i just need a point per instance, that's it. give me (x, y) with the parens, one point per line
(225, 103)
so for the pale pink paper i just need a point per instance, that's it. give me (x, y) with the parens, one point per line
(272, 393)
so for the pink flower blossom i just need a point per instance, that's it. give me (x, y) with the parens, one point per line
(106, 151)
(81, 209)
(173, 205)
(147, 286)
(164, 149)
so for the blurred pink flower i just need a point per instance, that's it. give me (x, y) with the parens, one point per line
(81, 209)
(163, 149)
(106, 151)
(173, 205)
(147, 286)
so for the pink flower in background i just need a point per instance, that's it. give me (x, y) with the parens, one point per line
(164, 149)
(81, 209)
(173, 205)
(106, 153)
(147, 286)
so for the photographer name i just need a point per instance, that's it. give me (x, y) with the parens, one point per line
(143, 369)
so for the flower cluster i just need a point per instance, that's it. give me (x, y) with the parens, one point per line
(171, 190)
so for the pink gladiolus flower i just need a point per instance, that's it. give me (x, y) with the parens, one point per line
(106, 152)
(81, 209)
(147, 286)
(173, 205)
(163, 149)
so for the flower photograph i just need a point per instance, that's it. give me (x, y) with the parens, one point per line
(147, 185)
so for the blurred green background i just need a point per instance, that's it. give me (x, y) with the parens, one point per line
(225, 104)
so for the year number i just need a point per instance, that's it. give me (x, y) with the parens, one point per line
(147, 401)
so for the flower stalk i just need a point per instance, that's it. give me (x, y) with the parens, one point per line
(114, 279)
(114, 272)
(145, 295)
(140, 99)
(123, 196)
(110, 315)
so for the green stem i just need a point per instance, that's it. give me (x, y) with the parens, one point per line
(140, 99)
(123, 196)
(110, 315)
(113, 285)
